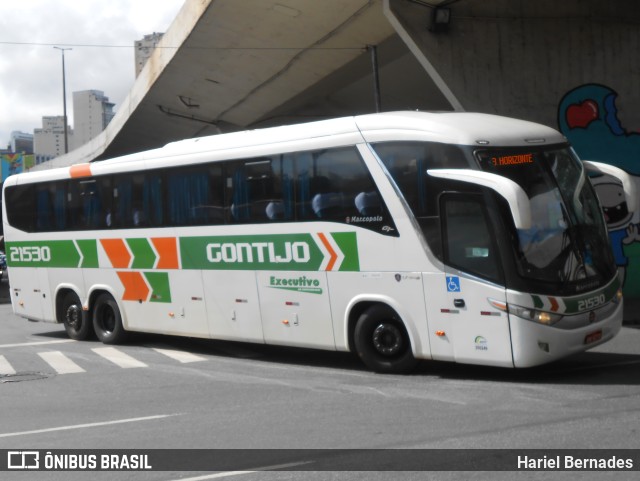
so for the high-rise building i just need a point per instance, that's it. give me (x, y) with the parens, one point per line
(48, 142)
(144, 48)
(21, 142)
(92, 112)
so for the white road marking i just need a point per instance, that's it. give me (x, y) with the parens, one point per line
(5, 367)
(61, 363)
(237, 473)
(181, 356)
(36, 343)
(83, 426)
(119, 358)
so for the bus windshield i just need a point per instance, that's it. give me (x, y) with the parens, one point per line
(567, 243)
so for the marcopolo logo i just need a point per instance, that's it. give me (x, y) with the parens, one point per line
(290, 252)
(299, 284)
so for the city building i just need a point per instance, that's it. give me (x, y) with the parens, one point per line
(21, 142)
(92, 112)
(48, 142)
(144, 49)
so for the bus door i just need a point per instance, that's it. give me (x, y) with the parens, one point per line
(479, 332)
(295, 308)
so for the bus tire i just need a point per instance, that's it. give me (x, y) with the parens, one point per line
(107, 321)
(77, 325)
(382, 341)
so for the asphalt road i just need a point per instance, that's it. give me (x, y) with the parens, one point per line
(160, 392)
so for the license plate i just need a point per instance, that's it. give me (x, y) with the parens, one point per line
(593, 337)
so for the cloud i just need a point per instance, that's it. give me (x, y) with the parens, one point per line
(101, 35)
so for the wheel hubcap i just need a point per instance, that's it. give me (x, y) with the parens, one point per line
(74, 316)
(387, 339)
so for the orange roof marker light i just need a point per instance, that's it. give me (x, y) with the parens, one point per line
(80, 170)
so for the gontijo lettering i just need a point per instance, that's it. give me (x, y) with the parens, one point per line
(260, 251)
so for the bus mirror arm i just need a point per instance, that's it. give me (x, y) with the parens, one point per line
(515, 195)
(629, 186)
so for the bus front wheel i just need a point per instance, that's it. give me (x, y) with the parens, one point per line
(77, 325)
(107, 321)
(382, 341)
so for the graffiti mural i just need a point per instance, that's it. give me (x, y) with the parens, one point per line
(588, 117)
(15, 163)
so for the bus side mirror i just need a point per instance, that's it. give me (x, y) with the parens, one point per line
(629, 186)
(518, 200)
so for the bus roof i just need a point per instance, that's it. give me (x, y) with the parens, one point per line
(447, 127)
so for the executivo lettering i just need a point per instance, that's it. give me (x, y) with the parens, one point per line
(298, 284)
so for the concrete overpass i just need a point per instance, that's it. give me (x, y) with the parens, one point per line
(225, 65)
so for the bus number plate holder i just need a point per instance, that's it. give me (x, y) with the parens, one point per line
(593, 337)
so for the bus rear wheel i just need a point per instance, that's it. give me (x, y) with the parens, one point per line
(77, 325)
(107, 321)
(382, 341)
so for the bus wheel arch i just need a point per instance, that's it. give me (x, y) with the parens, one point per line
(107, 318)
(70, 313)
(380, 338)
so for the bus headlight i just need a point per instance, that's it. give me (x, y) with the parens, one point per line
(534, 315)
(527, 313)
(618, 297)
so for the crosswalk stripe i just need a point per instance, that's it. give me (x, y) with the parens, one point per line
(5, 367)
(181, 356)
(61, 363)
(117, 357)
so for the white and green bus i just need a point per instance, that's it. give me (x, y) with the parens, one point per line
(400, 236)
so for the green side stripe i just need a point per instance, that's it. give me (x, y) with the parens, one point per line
(159, 282)
(537, 302)
(143, 255)
(42, 254)
(349, 246)
(573, 305)
(278, 252)
(89, 250)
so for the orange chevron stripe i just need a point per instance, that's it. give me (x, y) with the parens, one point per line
(554, 304)
(117, 252)
(135, 288)
(332, 253)
(80, 170)
(167, 247)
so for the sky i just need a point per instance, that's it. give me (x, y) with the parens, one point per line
(101, 35)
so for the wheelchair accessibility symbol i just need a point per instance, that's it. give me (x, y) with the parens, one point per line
(453, 284)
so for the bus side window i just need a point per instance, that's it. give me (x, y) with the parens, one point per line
(368, 203)
(188, 197)
(22, 199)
(304, 171)
(467, 239)
(44, 209)
(340, 176)
(326, 202)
